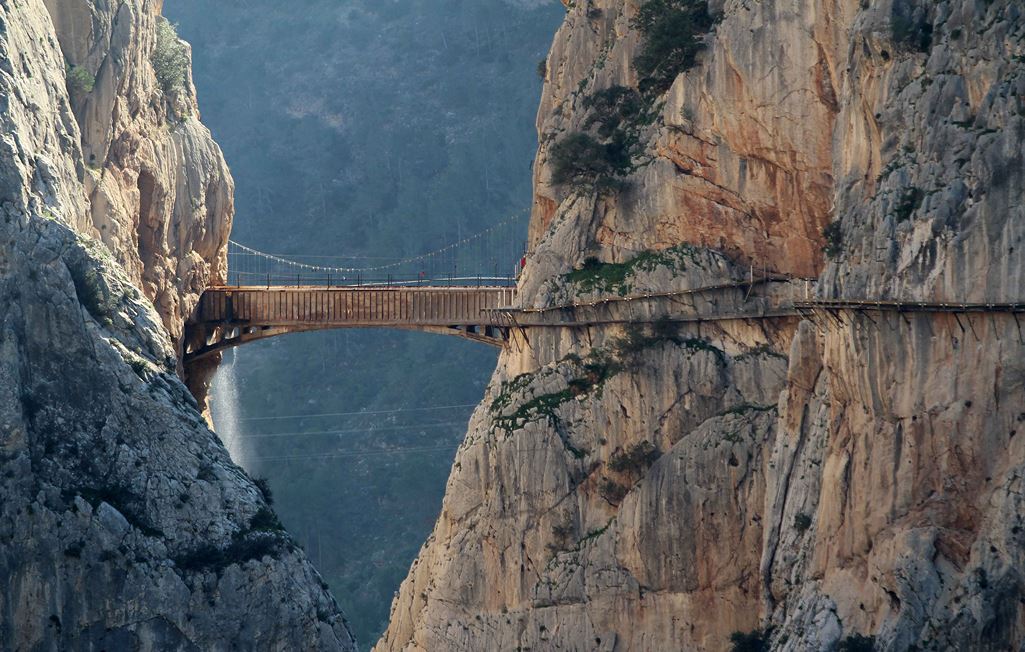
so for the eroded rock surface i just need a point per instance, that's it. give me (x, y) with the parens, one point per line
(123, 524)
(856, 475)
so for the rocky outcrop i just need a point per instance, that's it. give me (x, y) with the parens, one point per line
(159, 192)
(807, 482)
(123, 524)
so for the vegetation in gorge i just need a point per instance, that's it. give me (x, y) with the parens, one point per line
(80, 81)
(673, 32)
(636, 459)
(910, 27)
(753, 641)
(170, 57)
(833, 236)
(594, 275)
(583, 163)
(597, 158)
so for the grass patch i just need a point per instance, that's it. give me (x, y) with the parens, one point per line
(595, 275)
(637, 340)
(759, 351)
(92, 290)
(265, 520)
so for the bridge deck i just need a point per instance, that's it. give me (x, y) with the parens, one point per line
(352, 306)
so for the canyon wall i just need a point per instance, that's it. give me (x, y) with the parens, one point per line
(808, 481)
(124, 524)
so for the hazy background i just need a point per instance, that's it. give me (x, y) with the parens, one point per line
(374, 129)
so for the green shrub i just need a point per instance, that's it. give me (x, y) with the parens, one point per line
(637, 459)
(834, 239)
(242, 549)
(264, 486)
(542, 69)
(170, 58)
(612, 491)
(613, 109)
(910, 28)
(92, 291)
(909, 202)
(802, 522)
(79, 81)
(753, 641)
(265, 520)
(857, 643)
(673, 33)
(581, 162)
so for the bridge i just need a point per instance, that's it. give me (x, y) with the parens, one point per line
(230, 316)
(291, 297)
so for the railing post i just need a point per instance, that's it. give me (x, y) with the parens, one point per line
(268, 280)
(329, 279)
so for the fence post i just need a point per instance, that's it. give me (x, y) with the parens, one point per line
(268, 280)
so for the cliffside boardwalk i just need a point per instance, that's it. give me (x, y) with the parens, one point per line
(300, 297)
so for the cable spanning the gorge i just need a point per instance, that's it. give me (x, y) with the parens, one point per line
(483, 255)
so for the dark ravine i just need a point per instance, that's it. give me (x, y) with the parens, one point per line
(820, 484)
(123, 524)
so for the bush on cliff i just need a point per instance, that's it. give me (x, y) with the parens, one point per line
(673, 33)
(582, 163)
(910, 27)
(754, 641)
(170, 58)
(79, 81)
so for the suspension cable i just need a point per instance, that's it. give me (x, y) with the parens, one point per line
(326, 268)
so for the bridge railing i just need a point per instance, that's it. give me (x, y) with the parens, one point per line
(253, 279)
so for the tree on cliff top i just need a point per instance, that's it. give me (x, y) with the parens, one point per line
(170, 57)
(673, 35)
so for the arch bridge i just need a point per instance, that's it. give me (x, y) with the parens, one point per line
(230, 316)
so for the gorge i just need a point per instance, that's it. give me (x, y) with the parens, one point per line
(836, 477)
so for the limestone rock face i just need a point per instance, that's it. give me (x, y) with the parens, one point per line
(123, 524)
(659, 487)
(159, 193)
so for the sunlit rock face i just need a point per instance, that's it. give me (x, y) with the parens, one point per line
(123, 524)
(662, 488)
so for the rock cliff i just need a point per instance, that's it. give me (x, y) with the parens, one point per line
(811, 482)
(124, 524)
